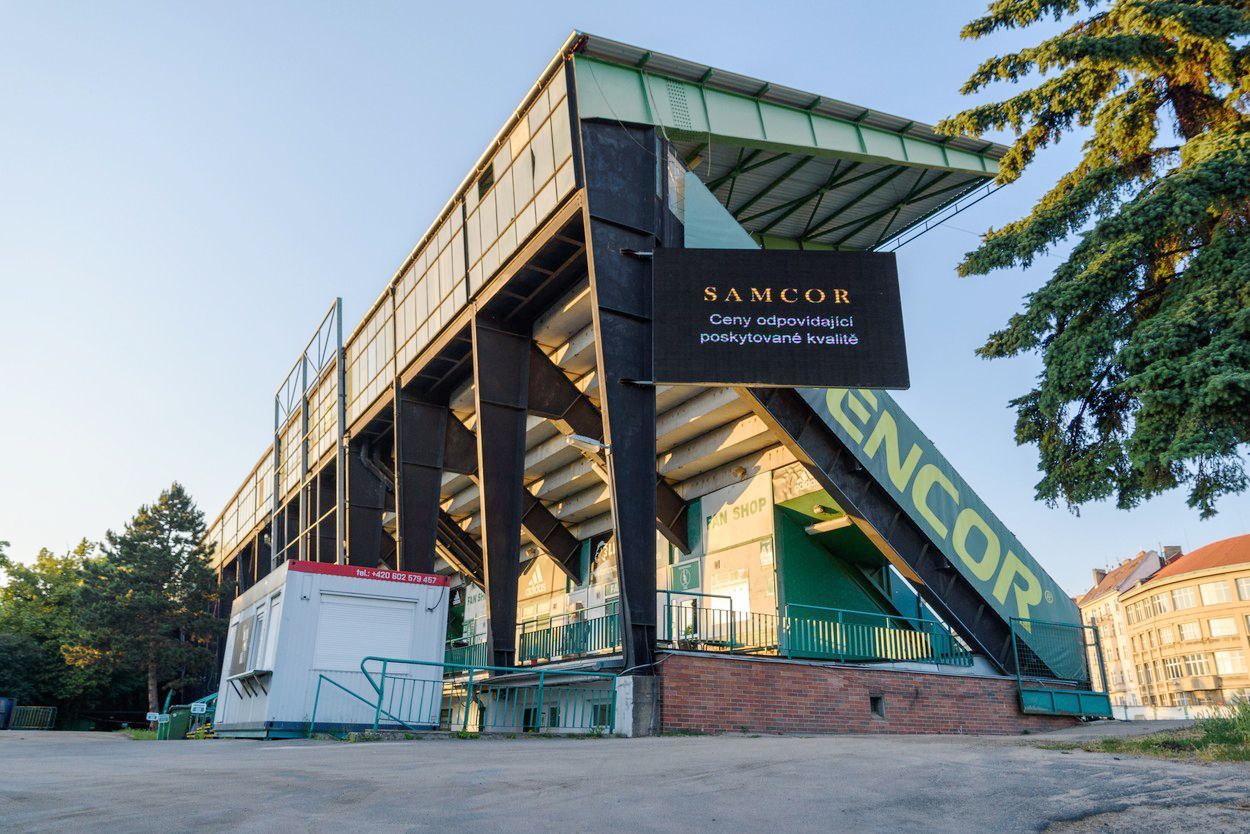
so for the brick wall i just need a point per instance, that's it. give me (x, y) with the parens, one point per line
(715, 694)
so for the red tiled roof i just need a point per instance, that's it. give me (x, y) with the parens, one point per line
(1113, 578)
(1234, 551)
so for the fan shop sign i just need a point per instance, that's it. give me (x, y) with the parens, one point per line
(778, 318)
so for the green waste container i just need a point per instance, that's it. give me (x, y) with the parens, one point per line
(177, 725)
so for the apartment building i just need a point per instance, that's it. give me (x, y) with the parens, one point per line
(1189, 627)
(1101, 607)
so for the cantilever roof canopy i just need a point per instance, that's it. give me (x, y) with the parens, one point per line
(795, 169)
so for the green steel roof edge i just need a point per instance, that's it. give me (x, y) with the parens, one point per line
(692, 110)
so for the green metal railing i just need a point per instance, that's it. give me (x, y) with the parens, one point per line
(687, 622)
(1072, 679)
(470, 650)
(858, 636)
(575, 634)
(702, 628)
(33, 718)
(400, 693)
(692, 626)
(817, 632)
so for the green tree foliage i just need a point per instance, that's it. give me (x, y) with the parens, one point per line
(1144, 329)
(40, 606)
(147, 602)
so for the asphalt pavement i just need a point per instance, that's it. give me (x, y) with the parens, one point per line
(105, 782)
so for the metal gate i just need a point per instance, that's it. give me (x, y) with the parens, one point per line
(1072, 678)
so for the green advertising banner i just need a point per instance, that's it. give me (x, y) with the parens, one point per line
(899, 456)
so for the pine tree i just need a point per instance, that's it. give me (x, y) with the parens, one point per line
(1144, 329)
(148, 600)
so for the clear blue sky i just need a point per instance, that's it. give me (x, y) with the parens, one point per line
(185, 187)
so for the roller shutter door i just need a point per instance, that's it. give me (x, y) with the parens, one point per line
(350, 628)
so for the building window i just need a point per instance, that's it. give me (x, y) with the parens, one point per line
(1197, 664)
(1231, 662)
(1243, 588)
(1222, 627)
(1160, 604)
(1172, 668)
(1183, 598)
(1166, 636)
(1214, 593)
(1189, 631)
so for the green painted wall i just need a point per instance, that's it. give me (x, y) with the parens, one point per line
(809, 574)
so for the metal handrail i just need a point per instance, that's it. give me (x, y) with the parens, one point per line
(385, 661)
(549, 621)
(668, 606)
(379, 686)
(918, 625)
(571, 637)
(323, 678)
(877, 614)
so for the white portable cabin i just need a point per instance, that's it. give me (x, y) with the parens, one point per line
(307, 623)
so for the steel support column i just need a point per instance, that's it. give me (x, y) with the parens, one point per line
(420, 428)
(500, 388)
(366, 501)
(622, 171)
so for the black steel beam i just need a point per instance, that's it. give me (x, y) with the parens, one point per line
(552, 536)
(554, 396)
(500, 386)
(420, 432)
(244, 577)
(460, 549)
(291, 536)
(459, 448)
(366, 501)
(672, 514)
(623, 218)
(536, 520)
(260, 559)
(835, 468)
(326, 507)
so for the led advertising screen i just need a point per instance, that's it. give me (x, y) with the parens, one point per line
(778, 318)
